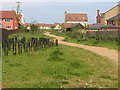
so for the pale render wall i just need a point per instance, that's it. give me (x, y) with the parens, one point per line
(111, 13)
(82, 23)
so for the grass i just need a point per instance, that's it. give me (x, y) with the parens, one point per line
(90, 42)
(58, 67)
(29, 35)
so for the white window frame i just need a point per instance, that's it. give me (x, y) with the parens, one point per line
(7, 20)
(8, 27)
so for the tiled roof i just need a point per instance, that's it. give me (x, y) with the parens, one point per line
(42, 24)
(8, 14)
(76, 17)
(67, 25)
(97, 26)
(28, 24)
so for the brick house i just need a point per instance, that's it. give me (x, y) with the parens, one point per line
(10, 20)
(76, 18)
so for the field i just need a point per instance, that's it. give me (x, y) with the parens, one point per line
(90, 42)
(58, 67)
(29, 35)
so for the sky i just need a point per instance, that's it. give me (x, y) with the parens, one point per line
(51, 11)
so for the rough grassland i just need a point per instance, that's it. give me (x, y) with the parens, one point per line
(57, 67)
(90, 42)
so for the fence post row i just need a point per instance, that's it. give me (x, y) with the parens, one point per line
(14, 45)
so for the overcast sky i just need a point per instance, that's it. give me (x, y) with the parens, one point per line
(50, 11)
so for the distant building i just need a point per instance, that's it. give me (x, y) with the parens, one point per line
(76, 18)
(10, 20)
(44, 26)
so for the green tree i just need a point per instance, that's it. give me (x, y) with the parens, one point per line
(23, 29)
(52, 27)
(34, 28)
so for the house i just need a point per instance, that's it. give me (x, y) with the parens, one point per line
(58, 26)
(96, 26)
(114, 20)
(10, 20)
(76, 18)
(44, 26)
(100, 17)
(110, 16)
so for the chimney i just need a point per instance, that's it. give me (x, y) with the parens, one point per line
(98, 12)
(65, 12)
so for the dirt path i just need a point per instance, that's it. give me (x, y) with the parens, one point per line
(110, 53)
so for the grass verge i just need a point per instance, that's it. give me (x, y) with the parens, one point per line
(59, 67)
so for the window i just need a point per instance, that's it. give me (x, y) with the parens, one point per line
(76, 18)
(8, 27)
(7, 20)
(69, 17)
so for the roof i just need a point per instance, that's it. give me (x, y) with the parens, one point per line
(19, 16)
(42, 24)
(114, 18)
(113, 8)
(111, 26)
(27, 24)
(8, 14)
(96, 26)
(76, 17)
(102, 14)
(67, 25)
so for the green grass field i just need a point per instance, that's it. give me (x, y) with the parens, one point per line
(90, 42)
(57, 67)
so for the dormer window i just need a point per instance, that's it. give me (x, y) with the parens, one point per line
(7, 20)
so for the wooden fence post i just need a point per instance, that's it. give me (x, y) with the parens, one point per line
(56, 42)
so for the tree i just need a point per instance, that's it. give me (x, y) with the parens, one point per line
(34, 28)
(52, 27)
(23, 29)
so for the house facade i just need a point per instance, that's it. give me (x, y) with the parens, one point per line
(10, 20)
(110, 16)
(114, 20)
(111, 13)
(76, 18)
